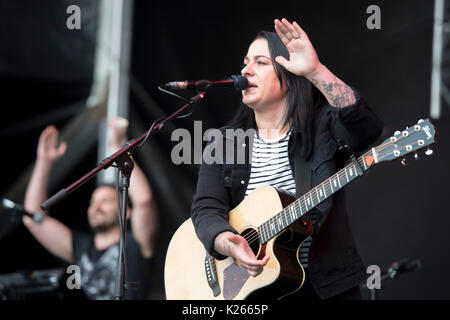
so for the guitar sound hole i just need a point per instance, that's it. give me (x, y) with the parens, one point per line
(252, 237)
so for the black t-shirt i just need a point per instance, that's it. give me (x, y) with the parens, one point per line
(99, 269)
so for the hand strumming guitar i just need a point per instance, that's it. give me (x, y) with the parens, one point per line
(234, 245)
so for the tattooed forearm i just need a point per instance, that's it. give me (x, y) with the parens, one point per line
(222, 245)
(338, 94)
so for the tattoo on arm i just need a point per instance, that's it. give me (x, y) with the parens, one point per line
(339, 93)
(227, 247)
(222, 245)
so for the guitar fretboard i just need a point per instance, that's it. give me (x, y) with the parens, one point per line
(314, 197)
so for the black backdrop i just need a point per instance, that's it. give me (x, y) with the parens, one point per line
(395, 212)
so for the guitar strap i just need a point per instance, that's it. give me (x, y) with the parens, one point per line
(302, 173)
(302, 179)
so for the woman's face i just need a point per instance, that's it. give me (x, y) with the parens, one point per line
(264, 86)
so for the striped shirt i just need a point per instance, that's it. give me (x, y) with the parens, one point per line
(270, 166)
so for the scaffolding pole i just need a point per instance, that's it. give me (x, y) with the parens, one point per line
(111, 74)
(440, 74)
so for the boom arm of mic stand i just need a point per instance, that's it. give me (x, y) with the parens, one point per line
(125, 163)
(128, 149)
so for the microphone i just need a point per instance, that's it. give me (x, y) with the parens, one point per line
(237, 83)
(8, 204)
(404, 265)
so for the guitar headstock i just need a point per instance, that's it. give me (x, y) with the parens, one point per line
(402, 143)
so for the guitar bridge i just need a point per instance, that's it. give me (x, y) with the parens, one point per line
(211, 274)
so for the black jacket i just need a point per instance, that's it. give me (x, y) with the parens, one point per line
(334, 264)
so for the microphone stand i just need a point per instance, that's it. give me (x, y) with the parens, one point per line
(396, 268)
(123, 159)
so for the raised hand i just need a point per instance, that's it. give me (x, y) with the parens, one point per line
(48, 148)
(303, 61)
(118, 127)
(303, 58)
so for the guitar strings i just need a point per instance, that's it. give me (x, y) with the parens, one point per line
(383, 154)
(324, 185)
(340, 175)
(255, 235)
(297, 203)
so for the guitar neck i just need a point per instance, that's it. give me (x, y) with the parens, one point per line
(315, 196)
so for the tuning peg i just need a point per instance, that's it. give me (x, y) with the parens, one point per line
(396, 133)
(429, 152)
(416, 156)
(404, 162)
(420, 121)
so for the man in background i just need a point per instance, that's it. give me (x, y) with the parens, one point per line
(96, 253)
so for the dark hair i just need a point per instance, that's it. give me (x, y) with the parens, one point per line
(302, 98)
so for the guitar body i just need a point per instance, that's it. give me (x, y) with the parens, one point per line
(185, 274)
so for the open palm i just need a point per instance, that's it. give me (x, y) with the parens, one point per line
(302, 56)
(48, 148)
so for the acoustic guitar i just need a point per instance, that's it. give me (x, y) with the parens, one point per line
(269, 220)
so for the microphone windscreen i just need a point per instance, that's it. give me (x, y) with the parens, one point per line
(240, 82)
